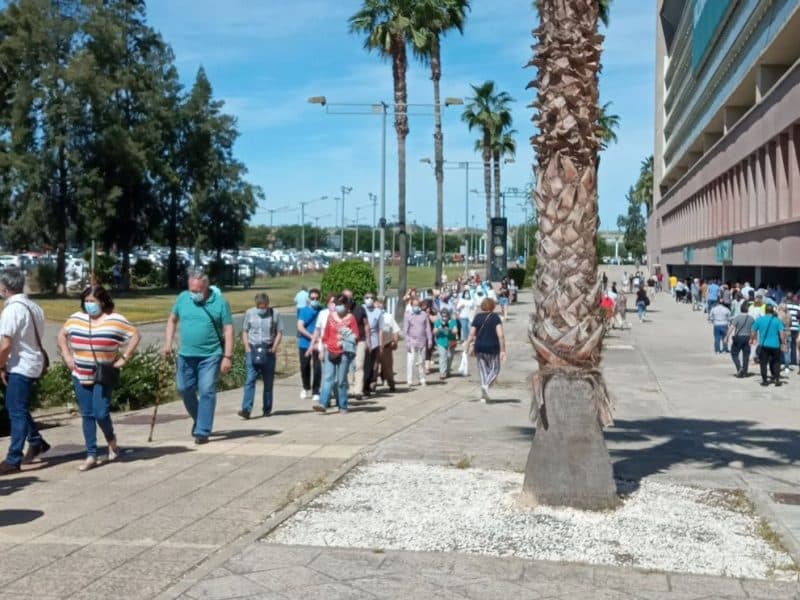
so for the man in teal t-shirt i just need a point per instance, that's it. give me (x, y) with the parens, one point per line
(768, 331)
(206, 348)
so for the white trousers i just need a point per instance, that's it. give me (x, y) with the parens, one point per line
(415, 357)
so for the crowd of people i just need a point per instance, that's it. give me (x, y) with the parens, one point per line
(758, 325)
(345, 348)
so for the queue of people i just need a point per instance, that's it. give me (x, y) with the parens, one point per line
(751, 325)
(345, 348)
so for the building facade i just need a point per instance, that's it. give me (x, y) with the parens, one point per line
(727, 145)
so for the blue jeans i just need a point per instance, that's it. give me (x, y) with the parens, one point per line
(18, 405)
(464, 329)
(641, 307)
(95, 404)
(199, 374)
(335, 375)
(720, 331)
(267, 372)
(793, 348)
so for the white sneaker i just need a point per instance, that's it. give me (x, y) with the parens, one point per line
(315, 398)
(422, 383)
(484, 394)
(304, 395)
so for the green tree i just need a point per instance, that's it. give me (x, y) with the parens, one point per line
(434, 18)
(389, 25)
(634, 225)
(488, 111)
(644, 185)
(41, 180)
(607, 125)
(503, 145)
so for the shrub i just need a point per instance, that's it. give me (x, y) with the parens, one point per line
(147, 274)
(145, 379)
(238, 373)
(530, 270)
(46, 278)
(55, 388)
(518, 275)
(103, 268)
(352, 274)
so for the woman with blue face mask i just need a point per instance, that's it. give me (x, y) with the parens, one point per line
(92, 337)
(339, 338)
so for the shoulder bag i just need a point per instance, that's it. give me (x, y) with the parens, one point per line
(45, 357)
(258, 354)
(105, 374)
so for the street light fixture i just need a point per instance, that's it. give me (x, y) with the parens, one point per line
(303, 221)
(345, 190)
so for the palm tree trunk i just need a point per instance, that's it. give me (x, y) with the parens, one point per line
(487, 187)
(438, 143)
(568, 463)
(496, 164)
(399, 68)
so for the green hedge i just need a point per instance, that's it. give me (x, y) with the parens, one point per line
(349, 274)
(518, 275)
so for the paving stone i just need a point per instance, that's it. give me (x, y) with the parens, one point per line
(335, 591)
(263, 557)
(767, 590)
(287, 579)
(151, 528)
(221, 588)
(121, 587)
(212, 532)
(628, 579)
(348, 564)
(726, 586)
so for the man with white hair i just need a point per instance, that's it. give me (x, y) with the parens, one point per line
(206, 349)
(22, 362)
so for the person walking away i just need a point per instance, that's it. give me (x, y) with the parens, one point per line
(445, 330)
(720, 316)
(488, 344)
(364, 334)
(642, 302)
(782, 313)
(90, 343)
(503, 297)
(673, 281)
(793, 307)
(621, 311)
(23, 361)
(310, 367)
(417, 331)
(375, 320)
(339, 339)
(262, 332)
(391, 336)
(206, 349)
(739, 332)
(768, 332)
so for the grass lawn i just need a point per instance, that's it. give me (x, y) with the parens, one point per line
(141, 306)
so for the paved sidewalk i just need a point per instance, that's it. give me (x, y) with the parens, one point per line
(173, 520)
(680, 417)
(131, 528)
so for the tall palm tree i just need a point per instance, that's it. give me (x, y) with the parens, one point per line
(503, 144)
(607, 125)
(487, 111)
(434, 18)
(568, 463)
(389, 25)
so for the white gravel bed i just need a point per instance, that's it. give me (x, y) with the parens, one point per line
(417, 507)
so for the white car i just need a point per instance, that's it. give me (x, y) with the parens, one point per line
(9, 260)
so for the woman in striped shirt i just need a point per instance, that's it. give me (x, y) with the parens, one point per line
(90, 337)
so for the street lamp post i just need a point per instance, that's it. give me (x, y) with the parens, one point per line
(374, 199)
(345, 190)
(316, 229)
(303, 221)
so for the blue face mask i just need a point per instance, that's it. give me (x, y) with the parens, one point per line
(315, 304)
(416, 310)
(341, 309)
(263, 312)
(198, 297)
(93, 309)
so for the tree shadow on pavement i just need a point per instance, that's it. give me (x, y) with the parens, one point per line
(16, 516)
(710, 444)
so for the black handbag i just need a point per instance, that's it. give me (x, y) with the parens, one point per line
(105, 374)
(258, 354)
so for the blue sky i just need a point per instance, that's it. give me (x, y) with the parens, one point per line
(266, 57)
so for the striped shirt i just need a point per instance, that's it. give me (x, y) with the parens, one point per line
(96, 341)
(794, 312)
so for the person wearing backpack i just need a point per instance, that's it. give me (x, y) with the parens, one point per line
(262, 332)
(23, 360)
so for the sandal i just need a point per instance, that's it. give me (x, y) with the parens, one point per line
(89, 463)
(113, 450)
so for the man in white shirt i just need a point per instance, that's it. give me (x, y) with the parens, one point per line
(22, 361)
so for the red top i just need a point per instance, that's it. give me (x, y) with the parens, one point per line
(330, 338)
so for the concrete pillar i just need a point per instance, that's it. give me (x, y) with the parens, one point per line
(709, 139)
(730, 115)
(766, 77)
(757, 278)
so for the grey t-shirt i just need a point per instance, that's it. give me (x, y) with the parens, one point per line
(742, 324)
(720, 315)
(259, 329)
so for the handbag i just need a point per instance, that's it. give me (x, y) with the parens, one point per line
(105, 374)
(258, 354)
(45, 356)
